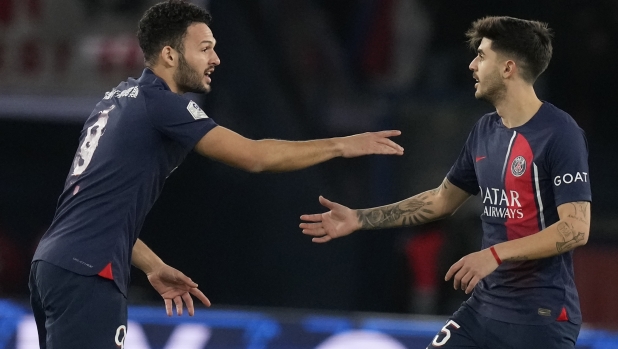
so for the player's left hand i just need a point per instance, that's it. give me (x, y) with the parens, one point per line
(175, 286)
(469, 270)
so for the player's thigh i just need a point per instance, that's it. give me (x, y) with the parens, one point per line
(461, 331)
(556, 335)
(81, 311)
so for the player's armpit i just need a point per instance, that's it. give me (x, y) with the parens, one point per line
(574, 226)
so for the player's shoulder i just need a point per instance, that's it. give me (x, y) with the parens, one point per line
(558, 119)
(158, 97)
(489, 118)
(154, 87)
(564, 130)
(486, 123)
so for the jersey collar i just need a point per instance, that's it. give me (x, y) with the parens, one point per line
(149, 77)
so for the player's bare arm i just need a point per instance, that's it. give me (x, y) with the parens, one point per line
(272, 155)
(422, 208)
(574, 233)
(171, 284)
(425, 207)
(571, 231)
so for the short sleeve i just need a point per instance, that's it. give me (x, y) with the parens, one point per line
(463, 173)
(568, 166)
(178, 118)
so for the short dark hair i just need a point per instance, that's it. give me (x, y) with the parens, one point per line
(529, 42)
(165, 24)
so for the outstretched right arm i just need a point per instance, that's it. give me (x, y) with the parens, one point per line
(275, 155)
(425, 207)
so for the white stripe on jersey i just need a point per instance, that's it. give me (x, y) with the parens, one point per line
(538, 195)
(508, 153)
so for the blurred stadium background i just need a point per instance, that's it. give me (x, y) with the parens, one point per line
(298, 69)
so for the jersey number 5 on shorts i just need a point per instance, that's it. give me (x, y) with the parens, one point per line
(447, 334)
(90, 143)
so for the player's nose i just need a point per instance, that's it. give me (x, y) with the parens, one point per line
(474, 64)
(216, 61)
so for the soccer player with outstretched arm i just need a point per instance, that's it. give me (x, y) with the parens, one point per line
(528, 163)
(135, 137)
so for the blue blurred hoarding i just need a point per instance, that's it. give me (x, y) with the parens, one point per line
(149, 328)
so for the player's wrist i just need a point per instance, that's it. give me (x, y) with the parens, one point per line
(358, 221)
(150, 265)
(338, 146)
(495, 255)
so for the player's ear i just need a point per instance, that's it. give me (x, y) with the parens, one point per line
(509, 68)
(169, 56)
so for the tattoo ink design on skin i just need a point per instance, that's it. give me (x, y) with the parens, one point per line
(413, 211)
(569, 237)
(579, 211)
(567, 232)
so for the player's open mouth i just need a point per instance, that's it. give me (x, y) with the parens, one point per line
(207, 75)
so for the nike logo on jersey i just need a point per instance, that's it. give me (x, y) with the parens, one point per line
(479, 158)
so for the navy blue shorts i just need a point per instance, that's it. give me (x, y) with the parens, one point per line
(74, 311)
(471, 330)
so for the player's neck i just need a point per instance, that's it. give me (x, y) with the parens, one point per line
(518, 106)
(167, 75)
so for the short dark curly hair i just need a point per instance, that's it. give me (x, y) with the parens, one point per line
(528, 42)
(165, 24)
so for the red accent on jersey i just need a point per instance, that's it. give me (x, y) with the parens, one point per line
(479, 158)
(563, 315)
(518, 227)
(107, 272)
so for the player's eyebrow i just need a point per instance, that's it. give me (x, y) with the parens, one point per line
(213, 42)
(480, 52)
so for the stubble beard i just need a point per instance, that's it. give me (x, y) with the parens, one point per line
(495, 91)
(188, 79)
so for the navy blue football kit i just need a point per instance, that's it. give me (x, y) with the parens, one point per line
(135, 137)
(522, 175)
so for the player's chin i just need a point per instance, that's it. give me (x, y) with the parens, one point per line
(203, 88)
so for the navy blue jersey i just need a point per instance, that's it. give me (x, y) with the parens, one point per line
(522, 175)
(135, 137)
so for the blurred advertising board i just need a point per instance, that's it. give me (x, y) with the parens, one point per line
(149, 328)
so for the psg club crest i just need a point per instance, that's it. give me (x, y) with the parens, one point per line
(518, 167)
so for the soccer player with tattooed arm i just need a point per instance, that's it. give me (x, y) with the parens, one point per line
(528, 164)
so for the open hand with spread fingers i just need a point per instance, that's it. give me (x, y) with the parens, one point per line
(175, 286)
(339, 221)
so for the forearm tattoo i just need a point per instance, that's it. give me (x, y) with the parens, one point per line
(569, 235)
(416, 210)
